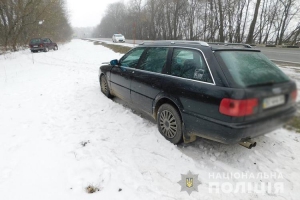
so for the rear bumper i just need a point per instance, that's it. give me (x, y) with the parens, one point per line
(37, 49)
(229, 133)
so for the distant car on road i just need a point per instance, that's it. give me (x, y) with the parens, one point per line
(42, 44)
(118, 38)
(220, 92)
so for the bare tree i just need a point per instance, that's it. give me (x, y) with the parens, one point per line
(252, 26)
(24, 19)
(209, 20)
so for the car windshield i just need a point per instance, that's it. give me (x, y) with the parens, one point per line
(35, 41)
(118, 35)
(249, 68)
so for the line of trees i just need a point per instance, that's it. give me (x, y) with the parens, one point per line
(250, 21)
(21, 20)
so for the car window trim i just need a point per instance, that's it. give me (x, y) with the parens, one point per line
(201, 52)
(164, 74)
(169, 61)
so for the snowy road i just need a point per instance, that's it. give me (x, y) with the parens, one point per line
(59, 134)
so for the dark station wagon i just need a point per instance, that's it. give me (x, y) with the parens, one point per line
(226, 93)
(42, 44)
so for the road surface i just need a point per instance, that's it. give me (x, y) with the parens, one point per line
(289, 55)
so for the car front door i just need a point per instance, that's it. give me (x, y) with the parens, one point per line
(120, 76)
(148, 78)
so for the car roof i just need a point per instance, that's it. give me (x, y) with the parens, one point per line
(200, 44)
(38, 38)
(173, 42)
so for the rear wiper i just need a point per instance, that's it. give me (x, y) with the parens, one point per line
(262, 84)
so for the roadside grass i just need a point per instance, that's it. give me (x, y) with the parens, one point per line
(284, 64)
(293, 124)
(116, 48)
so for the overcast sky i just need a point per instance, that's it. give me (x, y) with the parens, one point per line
(87, 13)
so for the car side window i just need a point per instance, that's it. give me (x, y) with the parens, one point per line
(46, 40)
(188, 63)
(131, 59)
(154, 59)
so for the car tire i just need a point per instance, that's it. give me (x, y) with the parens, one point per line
(104, 86)
(55, 48)
(46, 49)
(169, 123)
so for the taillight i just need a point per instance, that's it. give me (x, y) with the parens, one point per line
(294, 95)
(41, 45)
(238, 108)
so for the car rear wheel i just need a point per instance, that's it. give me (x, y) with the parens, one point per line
(46, 49)
(104, 86)
(169, 123)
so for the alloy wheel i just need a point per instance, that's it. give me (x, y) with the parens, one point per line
(104, 86)
(168, 124)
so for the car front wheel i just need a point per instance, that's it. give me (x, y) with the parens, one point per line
(104, 86)
(169, 123)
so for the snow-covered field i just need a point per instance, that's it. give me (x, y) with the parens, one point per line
(60, 134)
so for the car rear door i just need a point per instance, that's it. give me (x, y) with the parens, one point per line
(45, 43)
(148, 78)
(191, 83)
(120, 76)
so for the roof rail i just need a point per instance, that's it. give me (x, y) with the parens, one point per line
(230, 44)
(175, 42)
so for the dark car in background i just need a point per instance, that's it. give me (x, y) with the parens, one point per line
(226, 93)
(42, 44)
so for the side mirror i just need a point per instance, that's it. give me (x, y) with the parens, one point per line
(114, 62)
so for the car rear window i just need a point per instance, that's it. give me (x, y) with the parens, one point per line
(35, 41)
(250, 69)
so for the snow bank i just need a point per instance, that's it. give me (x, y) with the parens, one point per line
(60, 134)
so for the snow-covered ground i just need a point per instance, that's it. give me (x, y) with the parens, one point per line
(60, 134)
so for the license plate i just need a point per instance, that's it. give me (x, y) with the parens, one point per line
(273, 101)
(35, 46)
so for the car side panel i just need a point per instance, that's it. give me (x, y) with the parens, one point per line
(120, 78)
(145, 86)
(199, 104)
(199, 98)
